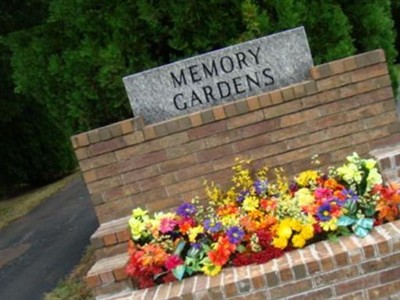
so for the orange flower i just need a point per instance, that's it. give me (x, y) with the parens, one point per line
(153, 255)
(229, 209)
(220, 255)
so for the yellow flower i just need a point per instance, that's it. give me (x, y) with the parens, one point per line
(307, 232)
(329, 225)
(250, 203)
(137, 228)
(370, 163)
(307, 177)
(138, 212)
(298, 241)
(210, 269)
(194, 232)
(280, 242)
(284, 231)
(295, 224)
(304, 196)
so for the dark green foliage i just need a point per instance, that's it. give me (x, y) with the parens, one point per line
(68, 57)
(34, 149)
(373, 27)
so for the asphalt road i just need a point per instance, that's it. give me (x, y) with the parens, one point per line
(39, 249)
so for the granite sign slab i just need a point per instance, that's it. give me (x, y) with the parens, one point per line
(220, 76)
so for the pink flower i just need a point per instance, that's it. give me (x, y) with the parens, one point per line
(172, 262)
(167, 225)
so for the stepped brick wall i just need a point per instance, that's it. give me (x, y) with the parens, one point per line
(347, 106)
(352, 268)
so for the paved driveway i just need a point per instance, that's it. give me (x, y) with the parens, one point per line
(39, 249)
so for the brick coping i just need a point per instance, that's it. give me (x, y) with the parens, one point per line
(333, 269)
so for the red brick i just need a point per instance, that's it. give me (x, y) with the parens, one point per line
(89, 176)
(282, 109)
(349, 63)
(207, 130)
(214, 153)
(310, 87)
(126, 126)
(314, 72)
(98, 161)
(105, 184)
(359, 283)
(81, 153)
(335, 276)
(104, 133)
(253, 103)
(265, 100)
(83, 139)
(106, 146)
(184, 186)
(390, 275)
(195, 119)
(94, 136)
(120, 274)
(109, 239)
(107, 277)
(219, 113)
(322, 294)
(246, 119)
(230, 110)
(133, 138)
(193, 171)
(337, 66)
(299, 90)
(253, 143)
(93, 281)
(291, 288)
(266, 126)
(123, 236)
(149, 133)
(241, 106)
(384, 291)
(178, 163)
(288, 93)
(276, 97)
(397, 160)
(140, 174)
(143, 160)
(207, 116)
(369, 72)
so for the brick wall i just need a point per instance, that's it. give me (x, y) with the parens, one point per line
(352, 268)
(347, 106)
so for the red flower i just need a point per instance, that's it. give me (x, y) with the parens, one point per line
(172, 262)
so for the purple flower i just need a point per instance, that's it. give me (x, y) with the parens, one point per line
(241, 196)
(260, 187)
(235, 234)
(293, 188)
(324, 212)
(186, 209)
(350, 195)
(212, 226)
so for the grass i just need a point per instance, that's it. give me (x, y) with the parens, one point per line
(16, 207)
(73, 286)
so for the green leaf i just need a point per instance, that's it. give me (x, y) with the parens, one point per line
(333, 237)
(179, 271)
(360, 231)
(179, 248)
(345, 221)
(365, 223)
(344, 231)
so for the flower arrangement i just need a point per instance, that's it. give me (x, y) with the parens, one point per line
(258, 219)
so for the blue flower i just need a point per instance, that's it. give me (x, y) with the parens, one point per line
(260, 187)
(241, 196)
(186, 210)
(350, 195)
(324, 212)
(235, 234)
(212, 226)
